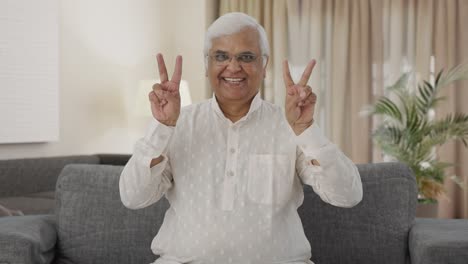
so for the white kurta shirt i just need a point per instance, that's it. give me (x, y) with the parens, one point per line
(234, 188)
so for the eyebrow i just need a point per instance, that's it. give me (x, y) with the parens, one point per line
(220, 51)
(243, 52)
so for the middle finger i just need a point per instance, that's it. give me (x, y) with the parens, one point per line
(307, 72)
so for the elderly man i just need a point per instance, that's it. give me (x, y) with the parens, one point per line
(233, 167)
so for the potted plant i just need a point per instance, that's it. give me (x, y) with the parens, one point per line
(410, 133)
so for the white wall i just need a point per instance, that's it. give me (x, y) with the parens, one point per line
(106, 47)
(29, 69)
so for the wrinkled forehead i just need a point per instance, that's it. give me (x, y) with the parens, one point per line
(245, 40)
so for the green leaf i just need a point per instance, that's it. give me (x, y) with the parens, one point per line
(386, 107)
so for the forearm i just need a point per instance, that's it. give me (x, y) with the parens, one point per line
(145, 178)
(140, 185)
(332, 175)
(338, 182)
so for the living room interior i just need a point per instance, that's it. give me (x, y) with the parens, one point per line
(100, 62)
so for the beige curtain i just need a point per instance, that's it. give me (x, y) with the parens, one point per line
(449, 41)
(271, 14)
(338, 34)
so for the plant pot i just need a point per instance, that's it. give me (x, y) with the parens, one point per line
(427, 210)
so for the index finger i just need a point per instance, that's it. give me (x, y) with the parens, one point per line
(307, 72)
(288, 81)
(177, 75)
(162, 68)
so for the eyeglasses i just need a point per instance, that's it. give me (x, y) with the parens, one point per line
(223, 58)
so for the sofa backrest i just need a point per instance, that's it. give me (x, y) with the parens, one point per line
(374, 231)
(95, 227)
(33, 175)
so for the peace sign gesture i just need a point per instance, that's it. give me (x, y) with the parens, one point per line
(165, 97)
(300, 100)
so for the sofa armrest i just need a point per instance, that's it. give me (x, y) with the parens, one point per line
(439, 241)
(27, 239)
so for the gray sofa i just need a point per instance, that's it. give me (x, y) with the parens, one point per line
(28, 185)
(90, 224)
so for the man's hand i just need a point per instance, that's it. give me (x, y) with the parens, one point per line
(165, 97)
(300, 100)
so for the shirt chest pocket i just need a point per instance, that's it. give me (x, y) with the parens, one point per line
(270, 178)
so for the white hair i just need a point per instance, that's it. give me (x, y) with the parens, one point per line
(231, 23)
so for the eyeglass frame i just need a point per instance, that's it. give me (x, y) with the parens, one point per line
(236, 56)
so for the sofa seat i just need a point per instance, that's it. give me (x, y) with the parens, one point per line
(439, 241)
(31, 204)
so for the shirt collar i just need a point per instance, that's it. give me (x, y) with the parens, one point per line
(256, 103)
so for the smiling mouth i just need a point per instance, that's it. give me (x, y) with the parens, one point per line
(233, 80)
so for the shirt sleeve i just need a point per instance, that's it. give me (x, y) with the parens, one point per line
(139, 184)
(334, 177)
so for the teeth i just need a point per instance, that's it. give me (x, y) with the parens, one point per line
(233, 79)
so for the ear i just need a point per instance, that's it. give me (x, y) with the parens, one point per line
(206, 66)
(265, 63)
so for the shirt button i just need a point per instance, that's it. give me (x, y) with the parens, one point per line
(232, 150)
(230, 173)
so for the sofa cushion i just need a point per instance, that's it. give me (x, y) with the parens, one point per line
(439, 241)
(27, 239)
(9, 212)
(93, 224)
(374, 231)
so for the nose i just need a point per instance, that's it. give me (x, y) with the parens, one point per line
(233, 65)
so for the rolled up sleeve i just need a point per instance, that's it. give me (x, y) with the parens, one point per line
(322, 165)
(141, 185)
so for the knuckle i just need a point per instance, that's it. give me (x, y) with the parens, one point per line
(159, 92)
(157, 87)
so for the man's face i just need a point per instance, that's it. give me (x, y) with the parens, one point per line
(236, 80)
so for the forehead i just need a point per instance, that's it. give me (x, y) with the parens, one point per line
(245, 40)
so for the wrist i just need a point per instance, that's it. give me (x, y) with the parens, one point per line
(298, 128)
(169, 123)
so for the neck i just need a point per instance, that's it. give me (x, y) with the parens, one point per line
(235, 111)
